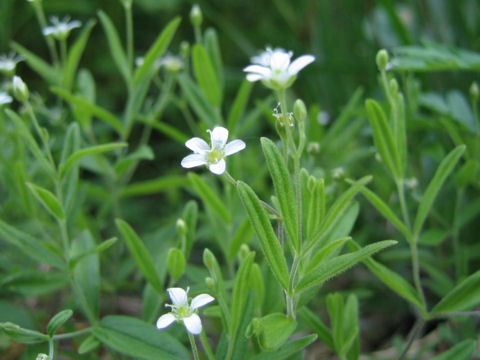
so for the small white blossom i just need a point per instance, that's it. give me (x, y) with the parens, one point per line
(183, 311)
(9, 62)
(5, 98)
(60, 29)
(173, 64)
(274, 69)
(212, 155)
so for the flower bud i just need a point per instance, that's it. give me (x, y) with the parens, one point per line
(211, 285)
(20, 89)
(209, 259)
(474, 91)
(196, 17)
(313, 148)
(181, 227)
(185, 49)
(299, 110)
(43, 357)
(394, 86)
(382, 60)
(243, 252)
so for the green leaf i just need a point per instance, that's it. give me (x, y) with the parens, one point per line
(386, 211)
(75, 54)
(335, 307)
(87, 345)
(283, 188)
(273, 330)
(443, 170)
(212, 46)
(156, 50)
(77, 155)
(140, 254)
(205, 75)
(239, 297)
(239, 104)
(95, 250)
(148, 187)
(83, 103)
(48, 200)
(115, 45)
(30, 283)
(394, 281)
(335, 211)
(461, 351)
(462, 297)
(30, 246)
(265, 233)
(324, 252)
(335, 266)
(350, 323)
(383, 138)
(190, 216)
(209, 197)
(40, 66)
(143, 152)
(288, 349)
(139, 339)
(316, 324)
(175, 263)
(58, 320)
(200, 105)
(243, 235)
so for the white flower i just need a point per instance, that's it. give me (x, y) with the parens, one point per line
(182, 311)
(5, 98)
(213, 156)
(60, 29)
(9, 62)
(274, 69)
(173, 64)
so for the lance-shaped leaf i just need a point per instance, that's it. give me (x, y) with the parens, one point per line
(140, 254)
(337, 265)
(316, 325)
(48, 200)
(139, 339)
(239, 104)
(461, 351)
(156, 50)
(58, 320)
(115, 45)
(265, 233)
(205, 75)
(104, 245)
(40, 66)
(383, 138)
(154, 186)
(291, 348)
(464, 296)
(443, 170)
(77, 155)
(283, 188)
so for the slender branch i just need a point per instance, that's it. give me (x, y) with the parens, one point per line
(411, 337)
(206, 346)
(194, 346)
(71, 334)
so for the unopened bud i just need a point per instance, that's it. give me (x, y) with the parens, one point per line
(382, 60)
(20, 89)
(210, 282)
(181, 227)
(43, 357)
(474, 91)
(243, 252)
(394, 86)
(196, 16)
(299, 110)
(209, 259)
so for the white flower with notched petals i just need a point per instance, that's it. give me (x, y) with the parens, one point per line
(61, 29)
(8, 63)
(212, 155)
(183, 311)
(274, 69)
(5, 98)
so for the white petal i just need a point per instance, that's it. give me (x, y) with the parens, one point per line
(218, 168)
(280, 60)
(258, 69)
(193, 160)
(48, 30)
(193, 324)
(201, 300)
(165, 320)
(234, 146)
(299, 63)
(219, 137)
(197, 145)
(178, 296)
(74, 24)
(254, 77)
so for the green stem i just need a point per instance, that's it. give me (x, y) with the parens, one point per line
(403, 203)
(198, 34)
(206, 346)
(51, 349)
(416, 270)
(43, 24)
(456, 233)
(411, 337)
(129, 25)
(71, 334)
(290, 297)
(63, 53)
(194, 346)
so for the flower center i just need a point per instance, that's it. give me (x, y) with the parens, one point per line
(183, 312)
(214, 156)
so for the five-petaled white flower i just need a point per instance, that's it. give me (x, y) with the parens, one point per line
(5, 98)
(61, 29)
(9, 62)
(274, 69)
(182, 311)
(213, 156)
